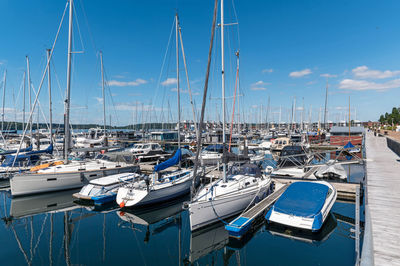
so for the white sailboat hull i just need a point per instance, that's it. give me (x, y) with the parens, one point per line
(33, 183)
(139, 197)
(203, 213)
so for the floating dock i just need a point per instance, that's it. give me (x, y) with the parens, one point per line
(382, 203)
(345, 191)
(238, 227)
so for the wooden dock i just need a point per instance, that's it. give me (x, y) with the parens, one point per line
(242, 224)
(383, 200)
(345, 191)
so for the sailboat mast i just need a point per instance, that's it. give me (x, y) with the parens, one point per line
(268, 109)
(29, 91)
(4, 95)
(177, 80)
(104, 96)
(23, 104)
(187, 79)
(67, 133)
(50, 104)
(223, 87)
(326, 102)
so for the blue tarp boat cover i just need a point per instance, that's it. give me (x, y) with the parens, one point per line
(170, 162)
(29, 157)
(349, 145)
(15, 151)
(304, 199)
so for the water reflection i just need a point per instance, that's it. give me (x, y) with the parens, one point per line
(302, 235)
(51, 229)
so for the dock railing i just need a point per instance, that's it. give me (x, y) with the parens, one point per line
(393, 145)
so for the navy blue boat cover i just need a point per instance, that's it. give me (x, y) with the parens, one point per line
(9, 160)
(170, 162)
(304, 199)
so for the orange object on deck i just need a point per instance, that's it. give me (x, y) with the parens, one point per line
(45, 165)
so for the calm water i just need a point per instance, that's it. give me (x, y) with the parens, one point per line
(50, 229)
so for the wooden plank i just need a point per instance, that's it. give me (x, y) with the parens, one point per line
(383, 186)
(265, 203)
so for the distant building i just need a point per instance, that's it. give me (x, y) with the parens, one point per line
(340, 135)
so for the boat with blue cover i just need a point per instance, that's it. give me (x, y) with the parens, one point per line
(160, 186)
(304, 205)
(104, 190)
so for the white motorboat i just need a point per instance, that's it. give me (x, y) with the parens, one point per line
(104, 190)
(220, 200)
(304, 205)
(148, 152)
(212, 154)
(331, 171)
(75, 174)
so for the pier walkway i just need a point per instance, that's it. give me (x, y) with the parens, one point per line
(383, 198)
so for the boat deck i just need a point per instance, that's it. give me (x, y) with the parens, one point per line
(383, 198)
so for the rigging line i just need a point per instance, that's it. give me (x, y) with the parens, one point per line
(237, 21)
(41, 109)
(40, 85)
(79, 30)
(58, 80)
(165, 57)
(87, 25)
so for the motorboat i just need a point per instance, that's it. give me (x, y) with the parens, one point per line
(145, 152)
(304, 205)
(280, 143)
(104, 190)
(331, 171)
(220, 200)
(315, 238)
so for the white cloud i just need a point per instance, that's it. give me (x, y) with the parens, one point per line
(133, 83)
(270, 70)
(300, 73)
(327, 75)
(311, 82)
(258, 89)
(99, 99)
(169, 81)
(136, 106)
(181, 91)
(364, 72)
(362, 85)
(259, 83)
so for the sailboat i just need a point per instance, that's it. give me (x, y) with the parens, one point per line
(237, 189)
(71, 174)
(160, 186)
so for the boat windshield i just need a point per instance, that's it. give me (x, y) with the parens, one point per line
(247, 169)
(215, 148)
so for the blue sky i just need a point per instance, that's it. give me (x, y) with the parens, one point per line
(287, 50)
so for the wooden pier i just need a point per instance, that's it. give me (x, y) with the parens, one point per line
(383, 200)
(345, 191)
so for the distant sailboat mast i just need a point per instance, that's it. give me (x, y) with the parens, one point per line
(50, 104)
(104, 99)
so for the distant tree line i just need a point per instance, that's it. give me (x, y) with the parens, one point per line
(392, 118)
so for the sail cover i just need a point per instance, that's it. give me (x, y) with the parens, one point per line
(170, 162)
